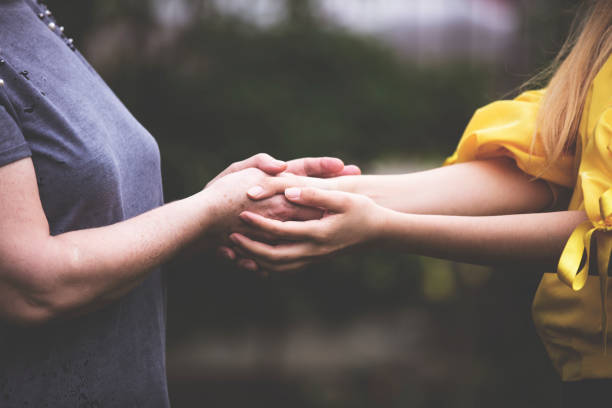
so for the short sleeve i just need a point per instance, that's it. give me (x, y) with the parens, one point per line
(506, 129)
(13, 145)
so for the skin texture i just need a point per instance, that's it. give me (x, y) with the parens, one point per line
(43, 277)
(323, 167)
(457, 212)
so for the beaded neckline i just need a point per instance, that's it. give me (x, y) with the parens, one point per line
(46, 16)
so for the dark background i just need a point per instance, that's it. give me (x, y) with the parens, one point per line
(369, 330)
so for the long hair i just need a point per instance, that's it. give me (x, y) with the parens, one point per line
(584, 52)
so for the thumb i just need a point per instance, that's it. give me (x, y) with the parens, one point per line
(267, 164)
(335, 201)
(351, 170)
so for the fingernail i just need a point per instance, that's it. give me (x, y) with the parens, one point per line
(255, 191)
(293, 193)
(333, 163)
(233, 238)
(226, 253)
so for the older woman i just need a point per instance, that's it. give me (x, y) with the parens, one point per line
(83, 228)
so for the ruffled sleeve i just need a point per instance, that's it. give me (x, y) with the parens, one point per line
(506, 129)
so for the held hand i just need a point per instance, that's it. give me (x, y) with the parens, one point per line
(261, 161)
(227, 199)
(354, 219)
(323, 167)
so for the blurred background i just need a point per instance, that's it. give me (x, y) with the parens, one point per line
(386, 84)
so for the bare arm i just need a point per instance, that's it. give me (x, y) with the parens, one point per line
(482, 187)
(536, 238)
(44, 276)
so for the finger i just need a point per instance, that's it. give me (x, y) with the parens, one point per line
(336, 201)
(351, 170)
(279, 208)
(289, 230)
(226, 253)
(243, 261)
(263, 162)
(315, 166)
(275, 254)
(271, 187)
(265, 267)
(301, 213)
(248, 264)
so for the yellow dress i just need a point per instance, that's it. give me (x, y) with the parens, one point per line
(569, 310)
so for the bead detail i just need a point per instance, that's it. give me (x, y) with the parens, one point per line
(52, 25)
(1, 82)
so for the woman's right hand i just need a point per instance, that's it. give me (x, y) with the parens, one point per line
(352, 219)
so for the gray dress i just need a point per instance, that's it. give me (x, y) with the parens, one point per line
(95, 165)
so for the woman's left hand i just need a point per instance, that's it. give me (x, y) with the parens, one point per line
(351, 219)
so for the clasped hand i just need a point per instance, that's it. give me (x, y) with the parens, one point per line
(293, 220)
(226, 197)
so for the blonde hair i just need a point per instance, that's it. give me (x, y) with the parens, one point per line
(581, 57)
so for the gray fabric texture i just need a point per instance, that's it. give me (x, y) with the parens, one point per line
(95, 165)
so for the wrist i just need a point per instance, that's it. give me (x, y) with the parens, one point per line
(348, 184)
(205, 207)
(392, 226)
(376, 223)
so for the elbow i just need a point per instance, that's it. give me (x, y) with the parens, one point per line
(33, 307)
(28, 315)
(22, 304)
(34, 303)
(38, 294)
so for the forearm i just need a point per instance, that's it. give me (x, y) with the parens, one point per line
(82, 270)
(487, 187)
(506, 239)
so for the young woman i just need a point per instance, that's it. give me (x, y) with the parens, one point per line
(502, 198)
(83, 228)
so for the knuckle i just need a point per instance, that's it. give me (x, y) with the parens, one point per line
(260, 157)
(344, 201)
(322, 234)
(252, 172)
(283, 214)
(267, 184)
(235, 166)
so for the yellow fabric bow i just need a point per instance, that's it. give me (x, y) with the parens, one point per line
(579, 243)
